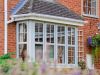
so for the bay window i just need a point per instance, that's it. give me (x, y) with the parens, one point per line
(51, 42)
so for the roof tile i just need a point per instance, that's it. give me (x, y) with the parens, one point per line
(48, 8)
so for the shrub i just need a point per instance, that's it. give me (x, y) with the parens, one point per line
(35, 68)
(6, 56)
(82, 64)
(23, 66)
(5, 67)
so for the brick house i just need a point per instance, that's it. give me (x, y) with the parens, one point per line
(50, 30)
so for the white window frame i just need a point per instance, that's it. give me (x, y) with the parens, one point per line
(31, 42)
(17, 38)
(90, 15)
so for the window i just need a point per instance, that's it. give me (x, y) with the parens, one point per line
(89, 7)
(71, 45)
(61, 55)
(48, 42)
(50, 33)
(71, 55)
(22, 42)
(38, 32)
(61, 44)
(38, 42)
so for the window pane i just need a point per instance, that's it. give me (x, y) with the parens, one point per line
(69, 40)
(20, 28)
(38, 32)
(71, 36)
(22, 49)
(71, 55)
(89, 7)
(24, 27)
(38, 52)
(50, 53)
(22, 32)
(61, 34)
(50, 33)
(61, 54)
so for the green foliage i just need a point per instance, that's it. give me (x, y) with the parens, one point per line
(82, 64)
(96, 46)
(5, 67)
(6, 56)
(35, 70)
(23, 66)
(96, 40)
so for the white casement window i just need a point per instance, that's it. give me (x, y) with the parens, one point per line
(38, 42)
(51, 42)
(61, 44)
(71, 45)
(22, 38)
(90, 7)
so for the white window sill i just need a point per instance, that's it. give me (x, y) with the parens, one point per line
(92, 16)
(63, 66)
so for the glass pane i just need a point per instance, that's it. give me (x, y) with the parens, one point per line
(61, 54)
(88, 5)
(23, 37)
(22, 32)
(69, 40)
(22, 49)
(48, 28)
(73, 40)
(71, 55)
(20, 28)
(24, 27)
(61, 34)
(73, 31)
(50, 53)
(93, 10)
(38, 52)
(38, 32)
(50, 33)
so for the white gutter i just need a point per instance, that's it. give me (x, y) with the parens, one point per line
(49, 18)
(5, 26)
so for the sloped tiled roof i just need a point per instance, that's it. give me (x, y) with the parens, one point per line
(48, 8)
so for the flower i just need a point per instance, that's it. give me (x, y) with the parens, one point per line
(89, 41)
(43, 68)
(94, 41)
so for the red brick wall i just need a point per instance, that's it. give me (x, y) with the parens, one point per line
(11, 4)
(12, 37)
(74, 5)
(12, 28)
(1, 26)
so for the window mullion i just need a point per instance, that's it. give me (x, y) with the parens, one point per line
(66, 45)
(76, 46)
(55, 43)
(44, 42)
